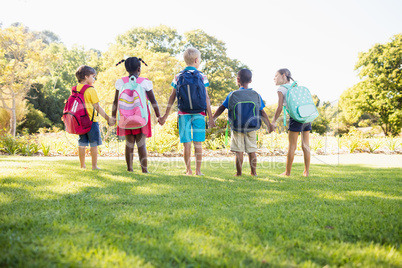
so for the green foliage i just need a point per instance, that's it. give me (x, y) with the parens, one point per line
(9, 144)
(22, 64)
(161, 39)
(380, 91)
(34, 120)
(216, 65)
(373, 144)
(55, 214)
(45, 149)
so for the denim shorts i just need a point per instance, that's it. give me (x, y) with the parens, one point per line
(298, 127)
(194, 122)
(93, 137)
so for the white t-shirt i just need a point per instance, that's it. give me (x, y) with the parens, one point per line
(146, 84)
(283, 90)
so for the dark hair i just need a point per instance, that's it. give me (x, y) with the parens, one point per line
(286, 72)
(244, 75)
(132, 64)
(83, 71)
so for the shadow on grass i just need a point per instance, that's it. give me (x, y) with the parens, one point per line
(111, 217)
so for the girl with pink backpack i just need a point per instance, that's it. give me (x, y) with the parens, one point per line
(133, 114)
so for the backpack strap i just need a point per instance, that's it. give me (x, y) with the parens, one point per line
(284, 115)
(82, 91)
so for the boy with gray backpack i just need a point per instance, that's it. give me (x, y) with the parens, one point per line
(245, 111)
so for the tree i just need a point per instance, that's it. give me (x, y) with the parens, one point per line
(216, 65)
(21, 64)
(157, 39)
(379, 94)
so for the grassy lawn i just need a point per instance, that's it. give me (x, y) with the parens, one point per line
(54, 214)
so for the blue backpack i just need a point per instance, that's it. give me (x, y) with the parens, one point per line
(191, 92)
(300, 104)
(244, 110)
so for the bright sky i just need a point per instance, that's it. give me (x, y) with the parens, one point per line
(317, 40)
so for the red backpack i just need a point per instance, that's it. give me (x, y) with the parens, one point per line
(75, 115)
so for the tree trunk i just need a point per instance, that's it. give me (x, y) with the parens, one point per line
(13, 125)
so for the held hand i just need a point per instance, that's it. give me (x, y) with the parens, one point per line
(211, 123)
(272, 127)
(112, 121)
(161, 120)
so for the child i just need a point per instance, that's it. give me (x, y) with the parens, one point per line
(189, 119)
(283, 76)
(244, 138)
(139, 135)
(86, 76)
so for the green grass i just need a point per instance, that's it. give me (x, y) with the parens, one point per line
(52, 214)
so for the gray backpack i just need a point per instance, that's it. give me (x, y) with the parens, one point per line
(244, 110)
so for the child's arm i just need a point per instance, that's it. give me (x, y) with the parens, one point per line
(278, 109)
(209, 111)
(114, 108)
(100, 110)
(266, 121)
(218, 112)
(151, 98)
(171, 100)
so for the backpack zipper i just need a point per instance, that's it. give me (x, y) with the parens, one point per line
(73, 116)
(189, 97)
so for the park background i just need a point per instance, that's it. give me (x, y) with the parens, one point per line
(347, 53)
(53, 214)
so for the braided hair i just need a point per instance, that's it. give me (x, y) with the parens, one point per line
(287, 73)
(132, 64)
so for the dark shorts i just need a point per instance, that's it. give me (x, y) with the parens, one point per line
(93, 137)
(298, 127)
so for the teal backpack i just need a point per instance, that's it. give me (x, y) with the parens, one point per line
(300, 104)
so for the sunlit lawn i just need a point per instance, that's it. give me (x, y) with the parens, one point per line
(53, 214)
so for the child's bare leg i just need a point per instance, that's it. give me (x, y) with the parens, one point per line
(198, 157)
(239, 163)
(142, 152)
(81, 155)
(187, 157)
(94, 156)
(130, 140)
(306, 151)
(291, 151)
(253, 163)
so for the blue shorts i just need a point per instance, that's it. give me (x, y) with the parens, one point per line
(188, 122)
(298, 127)
(93, 137)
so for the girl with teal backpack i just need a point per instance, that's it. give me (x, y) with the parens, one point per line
(296, 101)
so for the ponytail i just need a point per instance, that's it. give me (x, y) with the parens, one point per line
(132, 63)
(287, 73)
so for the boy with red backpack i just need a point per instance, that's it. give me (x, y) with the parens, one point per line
(79, 115)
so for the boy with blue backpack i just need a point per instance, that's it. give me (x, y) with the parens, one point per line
(189, 87)
(245, 111)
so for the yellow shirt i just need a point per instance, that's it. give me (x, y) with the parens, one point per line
(90, 97)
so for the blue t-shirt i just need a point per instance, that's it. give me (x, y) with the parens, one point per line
(226, 102)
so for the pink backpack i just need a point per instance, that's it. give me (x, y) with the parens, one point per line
(75, 115)
(132, 104)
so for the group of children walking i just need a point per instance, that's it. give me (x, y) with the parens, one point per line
(245, 108)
